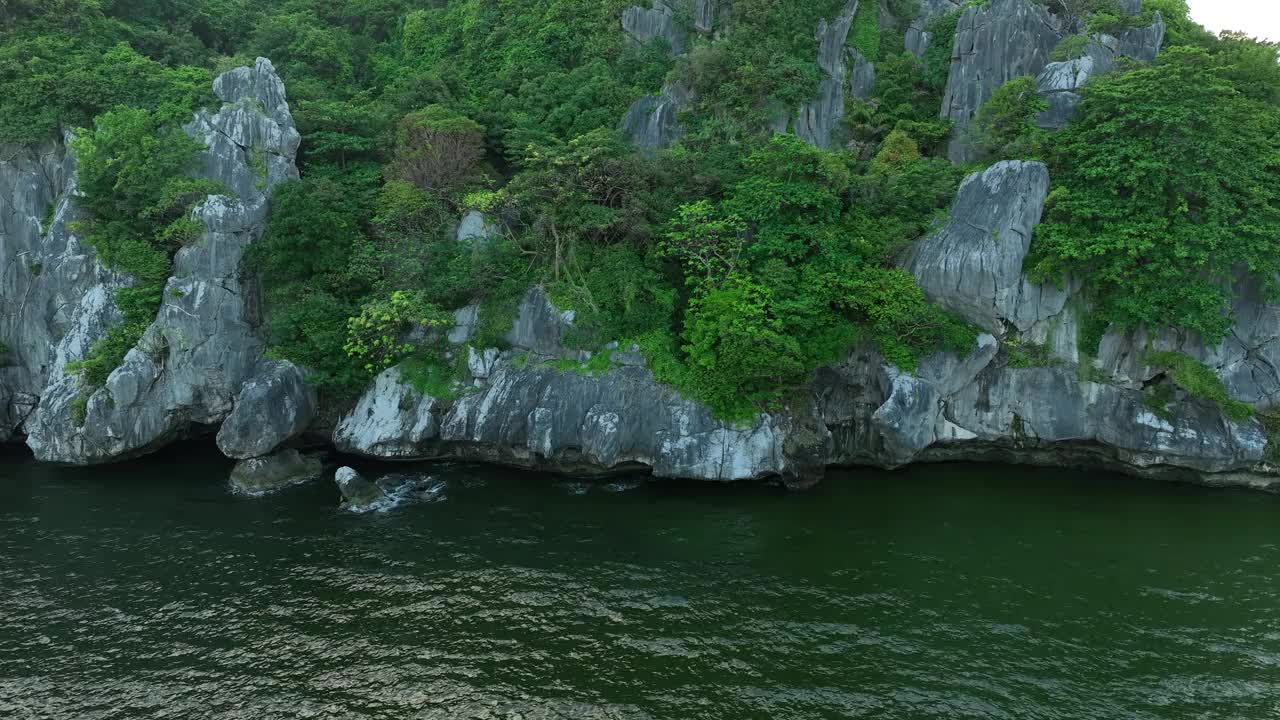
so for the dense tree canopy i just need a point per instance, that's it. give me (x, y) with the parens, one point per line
(1165, 188)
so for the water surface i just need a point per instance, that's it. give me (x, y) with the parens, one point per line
(145, 590)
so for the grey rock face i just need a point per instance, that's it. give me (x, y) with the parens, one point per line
(711, 16)
(186, 371)
(391, 420)
(475, 227)
(264, 475)
(862, 75)
(972, 265)
(358, 494)
(273, 407)
(539, 325)
(657, 21)
(1059, 83)
(815, 121)
(994, 44)
(652, 123)
(55, 299)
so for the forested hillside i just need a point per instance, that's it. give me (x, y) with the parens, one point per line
(740, 259)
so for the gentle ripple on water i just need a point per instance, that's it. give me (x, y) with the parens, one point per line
(146, 591)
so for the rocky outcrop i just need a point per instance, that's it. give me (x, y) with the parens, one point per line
(862, 75)
(1006, 39)
(475, 227)
(273, 407)
(918, 37)
(652, 122)
(712, 16)
(184, 375)
(995, 43)
(816, 120)
(260, 476)
(1059, 83)
(522, 411)
(972, 265)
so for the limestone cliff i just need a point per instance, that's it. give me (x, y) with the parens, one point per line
(199, 369)
(516, 408)
(184, 375)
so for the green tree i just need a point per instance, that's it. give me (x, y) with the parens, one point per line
(1005, 126)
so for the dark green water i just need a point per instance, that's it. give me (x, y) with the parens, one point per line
(146, 591)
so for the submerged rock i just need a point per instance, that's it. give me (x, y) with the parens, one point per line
(264, 475)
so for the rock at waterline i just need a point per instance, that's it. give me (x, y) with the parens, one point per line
(265, 475)
(358, 494)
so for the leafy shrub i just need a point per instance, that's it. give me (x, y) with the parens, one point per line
(375, 337)
(1005, 126)
(1071, 47)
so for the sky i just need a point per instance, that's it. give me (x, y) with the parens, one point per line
(1259, 18)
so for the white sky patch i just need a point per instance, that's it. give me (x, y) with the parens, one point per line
(1258, 18)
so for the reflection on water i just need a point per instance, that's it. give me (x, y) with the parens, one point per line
(147, 591)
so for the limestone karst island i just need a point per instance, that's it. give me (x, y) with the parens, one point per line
(590, 360)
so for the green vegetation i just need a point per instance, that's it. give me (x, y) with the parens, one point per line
(865, 33)
(1005, 126)
(133, 185)
(1159, 203)
(937, 57)
(1199, 381)
(1026, 354)
(1071, 48)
